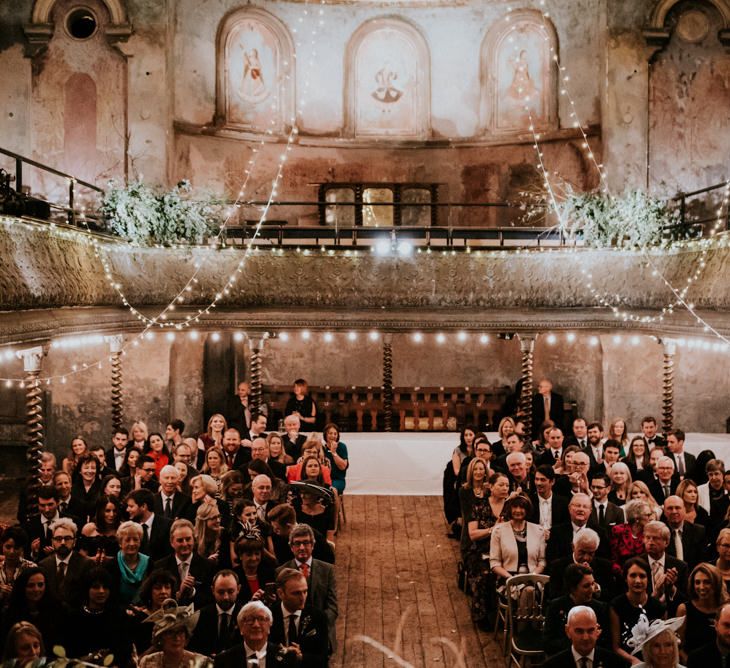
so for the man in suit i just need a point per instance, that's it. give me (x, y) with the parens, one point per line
(580, 586)
(236, 455)
(293, 440)
(68, 505)
(169, 502)
(115, 456)
(685, 463)
(518, 473)
(580, 434)
(297, 624)
(260, 451)
(594, 449)
(687, 541)
(585, 545)
(554, 450)
(561, 535)
(604, 514)
(45, 474)
(649, 431)
(547, 507)
(217, 630)
(583, 631)
(716, 653)
(193, 571)
(254, 624)
(39, 527)
(320, 576)
(156, 529)
(668, 582)
(546, 405)
(174, 433)
(666, 481)
(65, 569)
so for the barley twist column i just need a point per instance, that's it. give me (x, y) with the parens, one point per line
(116, 343)
(388, 382)
(670, 350)
(527, 348)
(35, 429)
(257, 346)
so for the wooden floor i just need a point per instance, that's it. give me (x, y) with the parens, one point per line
(394, 561)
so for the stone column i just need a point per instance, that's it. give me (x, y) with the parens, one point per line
(670, 350)
(388, 382)
(527, 348)
(35, 429)
(116, 343)
(257, 346)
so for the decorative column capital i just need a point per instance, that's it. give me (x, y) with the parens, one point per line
(527, 341)
(32, 358)
(670, 346)
(116, 343)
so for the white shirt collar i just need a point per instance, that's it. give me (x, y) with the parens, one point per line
(221, 611)
(187, 561)
(308, 562)
(286, 614)
(64, 561)
(261, 654)
(545, 501)
(578, 657)
(661, 560)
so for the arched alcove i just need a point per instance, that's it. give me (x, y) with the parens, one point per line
(518, 69)
(255, 73)
(388, 81)
(658, 30)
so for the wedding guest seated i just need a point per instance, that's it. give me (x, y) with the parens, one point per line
(244, 519)
(627, 608)
(157, 587)
(516, 545)
(658, 644)
(310, 449)
(129, 567)
(585, 546)
(688, 492)
(637, 458)
(705, 596)
(626, 540)
(279, 488)
(88, 485)
(13, 547)
(722, 545)
(712, 495)
(68, 505)
(173, 626)
(170, 502)
(155, 529)
(293, 439)
(547, 507)
(620, 484)
(99, 537)
(716, 653)
(581, 589)
(604, 513)
(317, 512)
(562, 535)
(504, 430)
(211, 542)
(576, 479)
(640, 492)
(688, 541)
(666, 482)
(203, 489)
(283, 519)
(518, 473)
(214, 465)
(336, 453)
(260, 451)
(216, 630)
(277, 451)
(23, 646)
(583, 631)
(256, 569)
(668, 581)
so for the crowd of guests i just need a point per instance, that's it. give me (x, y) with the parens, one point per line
(167, 550)
(633, 532)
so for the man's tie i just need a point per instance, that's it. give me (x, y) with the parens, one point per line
(183, 569)
(168, 507)
(656, 571)
(223, 628)
(582, 443)
(678, 549)
(292, 631)
(145, 537)
(64, 507)
(680, 465)
(546, 399)
(584, 662)
(304, 569)
(667, 491)
(601, 515)
(61, 574)
(48, 532)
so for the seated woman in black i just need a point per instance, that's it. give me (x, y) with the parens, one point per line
(157, 587)
(87, 487)
(627, 609)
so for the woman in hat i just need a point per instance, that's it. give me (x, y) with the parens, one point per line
(173, 627)
(657, 641)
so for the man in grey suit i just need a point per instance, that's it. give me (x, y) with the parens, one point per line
(320, 576)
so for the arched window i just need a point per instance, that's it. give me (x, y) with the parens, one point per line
(255, 64)
(519, 75)
(388, 89)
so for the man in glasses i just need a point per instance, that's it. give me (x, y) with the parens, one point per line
(65, 569)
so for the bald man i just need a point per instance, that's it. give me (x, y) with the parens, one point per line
(562, 535)
(583, 631)
(687, 541)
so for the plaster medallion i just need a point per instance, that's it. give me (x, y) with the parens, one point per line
(693, 26)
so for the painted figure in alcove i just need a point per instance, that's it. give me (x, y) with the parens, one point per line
(521, 86)
(253, 86)
(386, 91)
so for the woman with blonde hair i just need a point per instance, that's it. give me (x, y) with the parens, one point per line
(620, 483)
(213, 435)
(658, 643)
(215, 465)
(276, 449)
(79, 447)
(140, 434)
(638, 490)
(688, 491)
(705, 595)
(506, 428)
(207, 534)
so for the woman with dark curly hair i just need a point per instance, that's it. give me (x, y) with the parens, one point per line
(517, 546)
(156, 588)
(256, 569)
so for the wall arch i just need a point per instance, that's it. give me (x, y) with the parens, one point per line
(657, 32)
(255, 86)
(40, 29)
(388, 81)
(518, 65)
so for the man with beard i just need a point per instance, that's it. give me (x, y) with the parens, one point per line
(216, 630)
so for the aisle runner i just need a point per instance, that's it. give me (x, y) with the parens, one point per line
(413, 463)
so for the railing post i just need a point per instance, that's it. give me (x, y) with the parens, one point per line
(116, 344)
(35, 429)
(527, 348)
(388, 382)
(71, 212)
(397, 206)
(670, 350)
(434, 209)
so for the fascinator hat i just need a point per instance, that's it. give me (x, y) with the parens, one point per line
(171, 616)
(644, 631)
